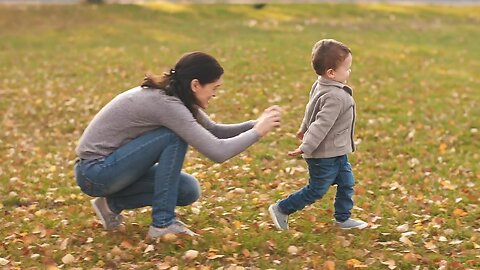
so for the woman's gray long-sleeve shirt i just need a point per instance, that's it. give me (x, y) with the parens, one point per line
(139, 110)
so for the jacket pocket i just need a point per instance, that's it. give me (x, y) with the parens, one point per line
(341, 138)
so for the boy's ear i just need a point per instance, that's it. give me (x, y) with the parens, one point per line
(194, 84)
(330, 73)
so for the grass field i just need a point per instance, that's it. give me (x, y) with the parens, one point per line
(415, 77)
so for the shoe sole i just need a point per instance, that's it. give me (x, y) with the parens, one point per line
(274, 218)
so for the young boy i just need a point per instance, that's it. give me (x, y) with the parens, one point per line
(327, 137)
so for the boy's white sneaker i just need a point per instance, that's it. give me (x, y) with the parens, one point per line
(351, 224)
(279, 219)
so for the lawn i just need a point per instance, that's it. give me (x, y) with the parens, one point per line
(415, 80)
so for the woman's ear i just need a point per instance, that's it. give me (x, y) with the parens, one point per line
(195, 84)
(330, 73)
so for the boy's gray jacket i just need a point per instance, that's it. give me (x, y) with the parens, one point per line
(329, 120)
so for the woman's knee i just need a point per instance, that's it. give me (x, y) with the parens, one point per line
(189, 190)
(173, 137)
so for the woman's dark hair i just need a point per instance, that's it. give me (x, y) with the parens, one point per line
(328, 54)
(176, 82)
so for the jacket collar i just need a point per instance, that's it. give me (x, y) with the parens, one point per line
(328, 82)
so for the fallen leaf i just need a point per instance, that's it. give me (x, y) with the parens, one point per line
(442, 147)
(64, 244)
(455, 242)
(391, 264)
(190, 254)
(459, 212)
(292, 250)
(431, 246)
(4, 262)
(116, 251)
(67, 259)
(126, 244)
(169, 237)
(402, 228)
(329, 265)
(406, 241)
(411, 257)
(149, 248)
(163, 266)
(354, 263)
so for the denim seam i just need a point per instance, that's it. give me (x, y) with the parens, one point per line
(175, 150)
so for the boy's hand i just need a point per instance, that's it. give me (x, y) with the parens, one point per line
(300, 134)
(295, 152)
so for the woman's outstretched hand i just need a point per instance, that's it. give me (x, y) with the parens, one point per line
(269, 119)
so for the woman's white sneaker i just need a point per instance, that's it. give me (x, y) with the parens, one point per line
(176, 227)
(110, 220)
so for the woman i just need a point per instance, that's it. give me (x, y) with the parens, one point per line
(131, 154)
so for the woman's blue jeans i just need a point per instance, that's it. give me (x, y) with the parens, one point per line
(144, 172)
(324, 172)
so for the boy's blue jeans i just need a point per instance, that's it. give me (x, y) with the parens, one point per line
(144, 172)
(324, 172)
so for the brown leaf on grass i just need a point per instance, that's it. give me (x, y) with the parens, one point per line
(402, 228)
(237, 224)
(163, 266)
(126, 244)
(391, 264)
(271, 244)
(51, 267)
(329, 265)
(40, 230)
(458, 212)
(64, 244)
(149, 248)
(404, 239)
(293, 250)
(343, 241)
(212, 254)
(441, 148)
(68, 259)
(411, 257)
(431, 246)
(4, 261)
(354, 263)
(455, 242)
(169, 237)
(116, 251)
(190, 255)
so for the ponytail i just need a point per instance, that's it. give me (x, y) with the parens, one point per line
(176, 82)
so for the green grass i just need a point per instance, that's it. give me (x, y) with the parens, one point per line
(416, 87)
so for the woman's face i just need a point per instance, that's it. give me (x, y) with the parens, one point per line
(203, 93)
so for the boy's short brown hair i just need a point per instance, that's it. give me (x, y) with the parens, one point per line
(328, 54)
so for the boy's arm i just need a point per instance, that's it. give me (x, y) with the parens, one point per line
(324, 121)
(303, 126)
